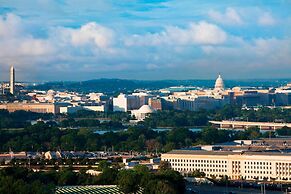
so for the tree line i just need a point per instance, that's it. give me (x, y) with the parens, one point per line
(25, 181)
(165, 118)
(43, 137)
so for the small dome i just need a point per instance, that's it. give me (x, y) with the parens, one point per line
(51, 92)
(146, 109)
(236, 89)
(219, 83)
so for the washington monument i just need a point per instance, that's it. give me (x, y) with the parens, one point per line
(12, 80)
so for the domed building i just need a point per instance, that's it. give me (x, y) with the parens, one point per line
(142, 112)
(219, 85)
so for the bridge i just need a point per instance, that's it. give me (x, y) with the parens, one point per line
(245, 125)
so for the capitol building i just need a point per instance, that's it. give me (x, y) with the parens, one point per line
(219, 85)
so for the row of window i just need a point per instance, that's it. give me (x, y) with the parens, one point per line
(235, 166)
(258, 163)
(196, 161)
(199, 165)
(236, 171)
(284, 173)
(282, 164)
(258, 172)
(283, 168)
(268, 178)
(224, 162)
(258, 167)
(202, 170)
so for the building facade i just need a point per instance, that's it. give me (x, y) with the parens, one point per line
(272, 166)
(124, 103)
(156, 103)
(32, 107)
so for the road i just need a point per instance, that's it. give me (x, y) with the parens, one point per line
(211, 189)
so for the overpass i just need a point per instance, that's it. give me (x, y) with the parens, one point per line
(245, 125)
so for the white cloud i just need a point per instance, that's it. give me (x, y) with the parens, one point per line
(15, 41)
(90, 33)
(9, 25)
(268, 53)
(266, 19)
(18, 46)
(201, 33)
(230, 17)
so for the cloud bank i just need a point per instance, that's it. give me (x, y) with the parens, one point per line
(165, 40)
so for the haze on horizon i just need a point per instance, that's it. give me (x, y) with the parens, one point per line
(142, 39)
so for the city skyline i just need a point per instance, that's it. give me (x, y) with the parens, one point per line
(147, 40)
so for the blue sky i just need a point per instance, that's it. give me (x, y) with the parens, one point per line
(142, 39)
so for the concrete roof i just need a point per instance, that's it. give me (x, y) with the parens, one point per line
(202, 152)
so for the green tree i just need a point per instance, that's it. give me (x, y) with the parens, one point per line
(103, 164)
(159, 187)
(108, 176)
(198, 174)
(284, 131)
(174, 178)
(128, 181)
(67, 177)
(164, 165)
(253, 133)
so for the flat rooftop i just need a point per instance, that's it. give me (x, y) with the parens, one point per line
(203, 152)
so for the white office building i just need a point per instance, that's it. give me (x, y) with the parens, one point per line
(125, 103)
(271, 166)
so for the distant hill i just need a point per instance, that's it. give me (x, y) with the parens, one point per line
(120, 85)
(104, 85)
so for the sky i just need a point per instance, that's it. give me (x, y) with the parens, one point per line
(53, 40)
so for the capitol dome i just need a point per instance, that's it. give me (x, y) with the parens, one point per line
(219, 83)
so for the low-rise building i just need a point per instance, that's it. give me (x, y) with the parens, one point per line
(32, 107)
(49, 155)
(11, 155)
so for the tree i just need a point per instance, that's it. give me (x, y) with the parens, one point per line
(164, 165)
(143, 173)
(108, 176)
(159, 187)
(211, 135)
(174, 178)
(253, 133)
(7, 185)
(67, 177)
(284, 131)
(141, 169)
(103, 165)
(224, 180)
(198, 174)
(128, 181)
(152, 145)
(179, 135)
(169, 146)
